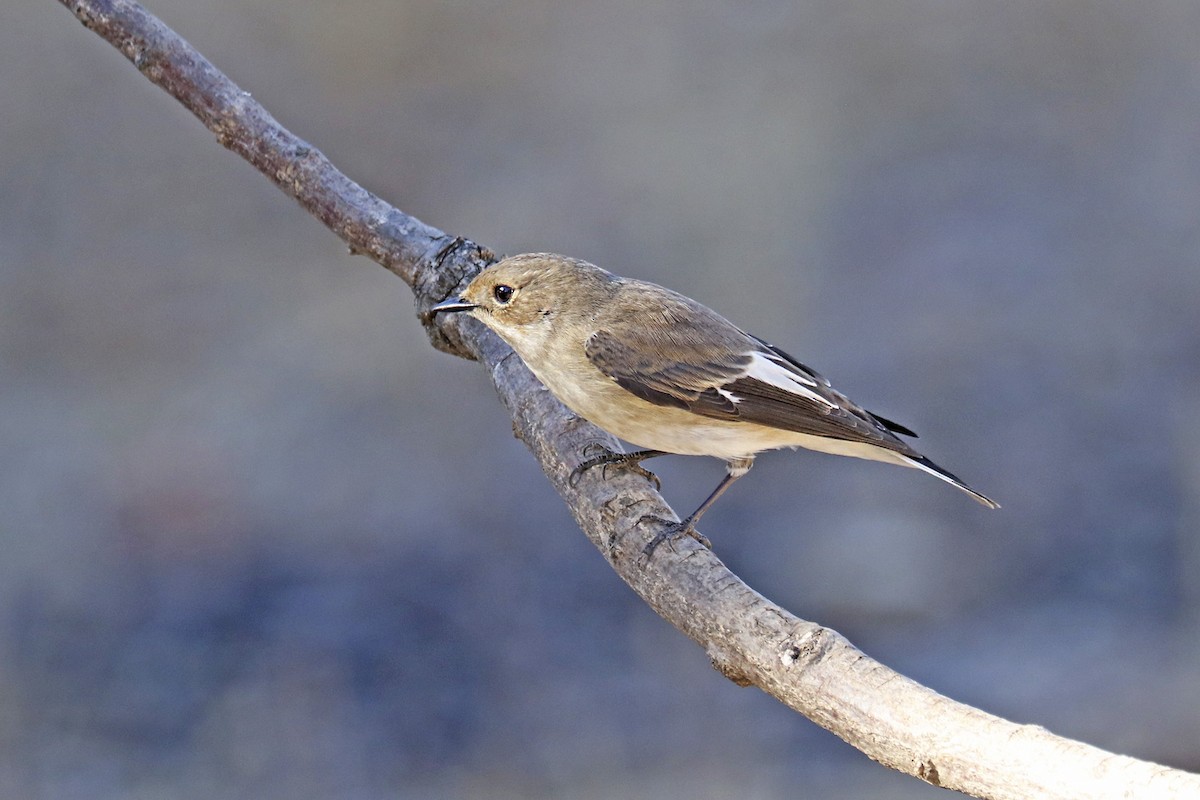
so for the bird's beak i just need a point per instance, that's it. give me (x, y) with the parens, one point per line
(454, 304)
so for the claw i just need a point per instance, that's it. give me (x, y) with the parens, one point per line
(671, 530)
(647, 474)
(607, 458)
(597, 448)
(573, 478)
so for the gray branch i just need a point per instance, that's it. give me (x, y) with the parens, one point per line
(752, 641)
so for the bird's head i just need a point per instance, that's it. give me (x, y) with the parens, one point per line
(527, 298)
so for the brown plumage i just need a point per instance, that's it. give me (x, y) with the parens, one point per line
(666, 373)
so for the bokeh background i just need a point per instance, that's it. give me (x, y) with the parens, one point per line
(260, 540)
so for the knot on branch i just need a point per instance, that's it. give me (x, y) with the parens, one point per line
(447, 267)
(806, 649)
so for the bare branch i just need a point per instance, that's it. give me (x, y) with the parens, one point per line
(812, 669)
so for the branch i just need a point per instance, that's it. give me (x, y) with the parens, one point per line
(812, 669)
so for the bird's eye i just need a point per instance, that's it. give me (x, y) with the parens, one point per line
(503, 293)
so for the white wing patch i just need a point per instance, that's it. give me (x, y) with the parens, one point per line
(770, 369)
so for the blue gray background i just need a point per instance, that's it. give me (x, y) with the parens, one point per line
(259, 540)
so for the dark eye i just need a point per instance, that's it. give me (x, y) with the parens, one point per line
(503, 293)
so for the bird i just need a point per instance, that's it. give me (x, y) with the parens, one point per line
(667, 374)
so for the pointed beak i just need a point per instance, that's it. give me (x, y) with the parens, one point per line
(455, 304)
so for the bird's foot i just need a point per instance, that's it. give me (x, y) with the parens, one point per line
(671, 530)
(607, 458)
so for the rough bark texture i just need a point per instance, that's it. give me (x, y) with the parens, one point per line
(812, 669)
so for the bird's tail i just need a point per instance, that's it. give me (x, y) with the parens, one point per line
(924, 464)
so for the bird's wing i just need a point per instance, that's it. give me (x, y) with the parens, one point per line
(816, 378)
(691, 358)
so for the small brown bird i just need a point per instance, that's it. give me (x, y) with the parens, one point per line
(666, 373)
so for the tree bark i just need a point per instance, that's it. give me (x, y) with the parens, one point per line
(750, 640)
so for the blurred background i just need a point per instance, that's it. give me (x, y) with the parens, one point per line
(260, 540)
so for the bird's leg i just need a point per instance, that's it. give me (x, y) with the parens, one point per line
(673, 530)
(632, 461)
